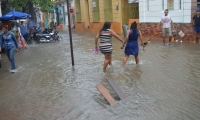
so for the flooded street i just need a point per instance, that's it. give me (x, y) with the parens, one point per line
(164, 86)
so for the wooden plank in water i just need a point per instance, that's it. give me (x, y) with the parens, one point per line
(105, 93)
(117, 89)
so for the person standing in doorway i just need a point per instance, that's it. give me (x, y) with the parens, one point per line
(196, 24)
(23, 31)
(167, 23)
(105, 46)
(131, 42)
(9, 42)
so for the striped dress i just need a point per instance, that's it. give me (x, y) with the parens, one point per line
(105, 42)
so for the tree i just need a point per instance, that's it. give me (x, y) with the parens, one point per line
(26, 5)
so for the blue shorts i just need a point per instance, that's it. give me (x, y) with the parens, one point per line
(197, 29)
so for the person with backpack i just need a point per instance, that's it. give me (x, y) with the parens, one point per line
(9, 42)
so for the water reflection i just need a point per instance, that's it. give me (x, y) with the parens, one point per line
(165, 85)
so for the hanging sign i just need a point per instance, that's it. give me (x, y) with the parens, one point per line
(94, 4)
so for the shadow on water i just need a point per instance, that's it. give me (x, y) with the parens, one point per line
(165, 84)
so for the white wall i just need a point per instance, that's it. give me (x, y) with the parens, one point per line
(66, 16)
(155, 11)
(65, 9)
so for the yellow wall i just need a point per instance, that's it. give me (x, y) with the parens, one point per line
(82, 2)
(116, 13)
(97, 25)
(101, 10)
(90, 10)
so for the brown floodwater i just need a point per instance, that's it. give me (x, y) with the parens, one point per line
(164, 86)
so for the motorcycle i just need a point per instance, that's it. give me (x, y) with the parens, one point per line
(40, 36)
(47, 35)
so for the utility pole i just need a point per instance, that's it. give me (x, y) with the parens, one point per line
(70, 33)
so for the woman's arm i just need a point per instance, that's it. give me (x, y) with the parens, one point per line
(116, 36)
(96, 39)
(127, 36)
(141, 39)
(14, 39)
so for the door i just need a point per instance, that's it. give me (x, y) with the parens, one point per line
(134, 11)
(108, 15)
(125, 12)
(78, 10)
(87, 16)
(95, 10)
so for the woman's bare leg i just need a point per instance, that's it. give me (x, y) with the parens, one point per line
(107, 60)
(125, 60)
(195, 37)
(110, 60)
(136, 59)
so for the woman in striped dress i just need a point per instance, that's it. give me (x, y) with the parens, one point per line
(105, 46)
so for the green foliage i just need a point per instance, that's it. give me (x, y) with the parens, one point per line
(44, 5)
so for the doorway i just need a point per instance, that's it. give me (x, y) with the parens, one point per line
(108, 14)
(87, 16)
(129, 11)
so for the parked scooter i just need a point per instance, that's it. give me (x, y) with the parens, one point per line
(47, 35)
(40, 36)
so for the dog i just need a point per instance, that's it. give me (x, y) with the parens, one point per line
(147, 42)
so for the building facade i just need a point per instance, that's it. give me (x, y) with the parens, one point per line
(58, 15)
(91, 14)
(181, 11)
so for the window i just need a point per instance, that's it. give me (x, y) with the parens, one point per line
(170, 4)
(198, 3)
(78, 11)
(147, 5)
(163, 5)
(180, 4)
(95, 10)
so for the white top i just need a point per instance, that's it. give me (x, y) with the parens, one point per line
(166, 20)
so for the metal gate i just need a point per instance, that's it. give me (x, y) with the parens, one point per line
(129, 11)
(133, 11)
(108, 10)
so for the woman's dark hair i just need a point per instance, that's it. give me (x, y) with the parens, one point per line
(5, 26)
(106, 26)
(134, 26)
